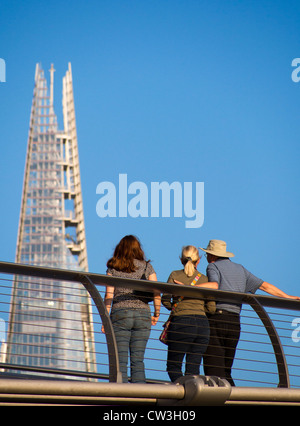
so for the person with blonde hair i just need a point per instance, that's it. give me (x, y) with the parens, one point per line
(188, 335)
(189, 258)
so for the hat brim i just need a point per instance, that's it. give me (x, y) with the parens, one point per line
(226, 254)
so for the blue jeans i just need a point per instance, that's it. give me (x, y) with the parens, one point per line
(132, 330)
(188, 336)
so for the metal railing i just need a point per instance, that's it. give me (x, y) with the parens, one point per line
(267, 353)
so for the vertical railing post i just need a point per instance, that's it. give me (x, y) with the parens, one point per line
(284, 381)
(114, 370)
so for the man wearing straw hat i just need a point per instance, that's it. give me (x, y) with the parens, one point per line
(225, 323)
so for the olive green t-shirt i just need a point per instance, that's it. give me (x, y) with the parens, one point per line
(187, 306)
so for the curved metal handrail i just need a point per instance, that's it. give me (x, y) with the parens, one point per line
(91, 280)
(115, 374)
(283, 372)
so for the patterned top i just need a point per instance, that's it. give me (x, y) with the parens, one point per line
(124, 297)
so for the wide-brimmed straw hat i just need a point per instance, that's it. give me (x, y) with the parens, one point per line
(217, 248)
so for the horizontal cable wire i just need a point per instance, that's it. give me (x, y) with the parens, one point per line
(253, 340)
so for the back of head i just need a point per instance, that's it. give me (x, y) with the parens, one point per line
(189, 258)
(128, 249)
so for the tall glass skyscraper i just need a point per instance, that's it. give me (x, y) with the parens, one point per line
(50, 322)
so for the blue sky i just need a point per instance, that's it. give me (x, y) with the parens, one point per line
(185, 91)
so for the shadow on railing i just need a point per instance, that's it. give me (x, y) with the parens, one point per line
(263, 339)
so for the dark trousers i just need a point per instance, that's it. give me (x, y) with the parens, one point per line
(224, 336)
(187, 336)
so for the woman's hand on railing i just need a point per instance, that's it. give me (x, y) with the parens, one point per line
(154, 319)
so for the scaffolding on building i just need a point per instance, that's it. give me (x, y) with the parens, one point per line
(51, 233)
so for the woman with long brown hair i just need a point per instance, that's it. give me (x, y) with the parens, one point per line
(130, 315)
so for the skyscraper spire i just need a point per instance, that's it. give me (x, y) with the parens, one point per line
(51, 233)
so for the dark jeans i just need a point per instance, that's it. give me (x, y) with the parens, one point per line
(132, 330)
(224, 336)
(187, 336)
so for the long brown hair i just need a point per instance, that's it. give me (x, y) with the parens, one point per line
(128, 249)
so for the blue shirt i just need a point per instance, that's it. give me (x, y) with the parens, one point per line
(232, 277)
